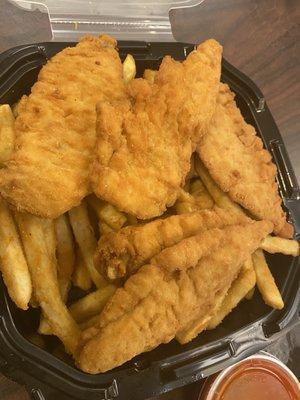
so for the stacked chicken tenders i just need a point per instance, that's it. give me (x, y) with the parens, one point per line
(152, 195)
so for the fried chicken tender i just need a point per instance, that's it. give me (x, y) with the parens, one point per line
(121, 253)
(161, 300)
(145, 140)
(236, 160)
(48, 172)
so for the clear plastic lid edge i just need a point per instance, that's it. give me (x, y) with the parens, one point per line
(127, 20)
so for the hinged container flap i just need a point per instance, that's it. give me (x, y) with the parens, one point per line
(127, 19)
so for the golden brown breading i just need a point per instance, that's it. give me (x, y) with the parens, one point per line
(236, 160)
(121, 253)
(55, 128)
(157, 302)
(145, 141)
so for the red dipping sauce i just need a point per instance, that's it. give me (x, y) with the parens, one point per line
(257, 378)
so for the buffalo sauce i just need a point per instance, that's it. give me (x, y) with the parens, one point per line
(254, 379)
(259, 382)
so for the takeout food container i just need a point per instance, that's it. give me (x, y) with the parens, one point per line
(248, 329)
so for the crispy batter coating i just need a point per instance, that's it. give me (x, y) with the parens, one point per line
(121, 253)
(236, 160)
(145, 141)
(48, 171)
(157, 303)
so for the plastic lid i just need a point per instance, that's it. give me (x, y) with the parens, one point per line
(127, 19)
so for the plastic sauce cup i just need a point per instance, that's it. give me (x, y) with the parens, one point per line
(260, 377)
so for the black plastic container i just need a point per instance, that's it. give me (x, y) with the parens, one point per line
(249, 328)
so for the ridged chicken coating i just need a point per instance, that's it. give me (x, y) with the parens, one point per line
(48, 172)
(121, 253)
(236, 160)
(145, 141)
(157, 303)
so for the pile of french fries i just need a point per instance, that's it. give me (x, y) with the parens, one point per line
(42, 259)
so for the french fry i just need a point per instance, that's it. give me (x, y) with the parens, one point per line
(7, 132)
(129, 68)
(62, 232)
(185, 203)
(273, 244)
(13, 264)
(107, 213)
(104, 228)
(221, 199)
(89, 323)
(81, 277)
(91, 304)
(44, 327)
(149, 75)
(50, 238)
(65, 254)
(238, 290)
(201, 195)
(265, 281)
(85, 308)
(86, 240)
(45, 282)
(197, 187)
(250, 294)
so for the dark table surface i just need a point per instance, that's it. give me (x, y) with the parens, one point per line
(261, 38)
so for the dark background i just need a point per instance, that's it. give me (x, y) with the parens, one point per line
(261, 38)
